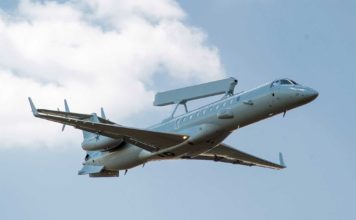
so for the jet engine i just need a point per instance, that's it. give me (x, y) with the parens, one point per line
(101, 143)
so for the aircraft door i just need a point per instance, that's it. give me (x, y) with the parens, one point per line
(274, 93)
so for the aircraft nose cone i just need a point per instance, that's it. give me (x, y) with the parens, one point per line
(311, 94)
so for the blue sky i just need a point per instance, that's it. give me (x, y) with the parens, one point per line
(312, 42)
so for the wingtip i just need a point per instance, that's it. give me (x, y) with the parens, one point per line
(33, 108)
(281, 160)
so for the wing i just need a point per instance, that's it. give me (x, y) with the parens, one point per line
(72, 115)
(146, 139)
(227, 154)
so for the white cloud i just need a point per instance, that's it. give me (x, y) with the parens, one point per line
(95, 52)
(121, 10)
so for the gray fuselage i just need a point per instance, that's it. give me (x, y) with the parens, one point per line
(209, 125)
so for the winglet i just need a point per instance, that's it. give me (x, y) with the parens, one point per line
(33, 108)
(281, 160)
(103, 113)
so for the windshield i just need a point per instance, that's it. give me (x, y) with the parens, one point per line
(283, 82)
(293, 82)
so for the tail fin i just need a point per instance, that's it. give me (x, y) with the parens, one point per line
(93, 118)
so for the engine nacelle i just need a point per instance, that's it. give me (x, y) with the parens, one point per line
(100, 143)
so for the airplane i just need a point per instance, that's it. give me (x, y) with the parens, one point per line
(197, 134)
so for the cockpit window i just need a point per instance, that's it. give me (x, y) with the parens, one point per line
(275, 83)
(285, 82)
(293, 82)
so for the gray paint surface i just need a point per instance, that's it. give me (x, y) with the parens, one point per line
(194, 135)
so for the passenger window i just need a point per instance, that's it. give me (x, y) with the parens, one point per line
(237, 98)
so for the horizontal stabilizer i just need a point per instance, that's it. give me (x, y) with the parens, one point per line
(182, 95)
(97, 171)
(88, 169)
(105, 173)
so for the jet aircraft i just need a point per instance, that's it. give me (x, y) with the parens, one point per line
(197, 134)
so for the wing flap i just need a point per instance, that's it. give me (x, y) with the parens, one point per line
(228, 154)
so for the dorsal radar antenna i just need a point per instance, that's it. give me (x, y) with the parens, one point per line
(183, 95)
